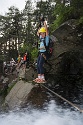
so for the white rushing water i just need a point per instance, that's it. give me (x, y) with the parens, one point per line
(52, 115)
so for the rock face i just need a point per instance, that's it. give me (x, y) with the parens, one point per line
(30, 73)
(68, 53)
(64, 70)
(21, 73)
(18, 94)
(1, 67)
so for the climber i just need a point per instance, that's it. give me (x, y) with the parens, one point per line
(44, 36)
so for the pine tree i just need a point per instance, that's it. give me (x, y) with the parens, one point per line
(11, 29)
(28, 17)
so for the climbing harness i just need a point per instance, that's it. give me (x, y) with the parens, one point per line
(81, 110)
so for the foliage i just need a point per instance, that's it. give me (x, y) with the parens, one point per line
(44, 9)
(27, 47)
(81, 20)
(34, 53)
(17, 26)
(11, 31)
(2, 57)
(66, 10)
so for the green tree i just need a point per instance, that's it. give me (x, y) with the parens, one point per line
(28, 15)
(65, 10)
(11, 29)
(77, 8)
(34, 54)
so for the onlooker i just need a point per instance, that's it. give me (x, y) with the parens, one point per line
(21, 63)
(19, 59)
(12, 62)
(25, 60)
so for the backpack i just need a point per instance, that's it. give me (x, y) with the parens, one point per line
(49, 48)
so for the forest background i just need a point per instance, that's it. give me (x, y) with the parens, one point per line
(18, 29)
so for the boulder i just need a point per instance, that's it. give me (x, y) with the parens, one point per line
(21, 73)
(67, 58)
(18, 94)
(31, 73)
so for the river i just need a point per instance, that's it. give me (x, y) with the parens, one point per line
(52, 114)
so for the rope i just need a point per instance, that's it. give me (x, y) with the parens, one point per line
(63, 99)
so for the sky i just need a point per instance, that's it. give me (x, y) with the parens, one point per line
(20, 4)
(5, 4)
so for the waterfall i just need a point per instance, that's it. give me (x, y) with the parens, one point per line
(52, 114)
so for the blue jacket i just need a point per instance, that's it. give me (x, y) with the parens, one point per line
(42, 43)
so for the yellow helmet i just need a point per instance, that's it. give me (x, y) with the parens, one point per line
(42, 30)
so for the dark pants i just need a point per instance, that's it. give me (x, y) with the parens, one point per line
(40, 63)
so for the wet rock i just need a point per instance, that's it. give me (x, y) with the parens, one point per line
(38, 97)
(1, 102)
